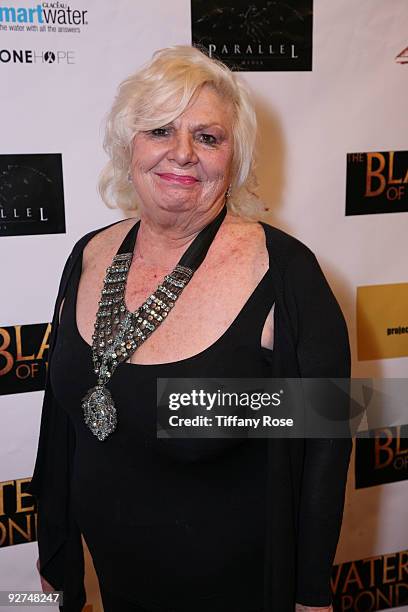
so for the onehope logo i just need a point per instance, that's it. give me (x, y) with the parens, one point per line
(29, 56)
(45, 17)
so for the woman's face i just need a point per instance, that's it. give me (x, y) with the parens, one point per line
(185, 166)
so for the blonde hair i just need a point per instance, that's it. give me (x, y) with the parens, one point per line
(157, 94)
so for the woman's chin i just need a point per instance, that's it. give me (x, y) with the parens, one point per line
(177, 205)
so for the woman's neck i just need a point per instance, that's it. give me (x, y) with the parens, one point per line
(162, 245)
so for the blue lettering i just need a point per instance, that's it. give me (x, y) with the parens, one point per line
(7, 14)
(22, 15)
(39, 13)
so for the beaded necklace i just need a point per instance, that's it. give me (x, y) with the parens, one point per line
(119, 332)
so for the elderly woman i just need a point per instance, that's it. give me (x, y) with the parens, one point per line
(193, 288)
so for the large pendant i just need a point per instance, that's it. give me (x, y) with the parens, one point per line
(99, 412)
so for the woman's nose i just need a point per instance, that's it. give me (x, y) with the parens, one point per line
(182, 150)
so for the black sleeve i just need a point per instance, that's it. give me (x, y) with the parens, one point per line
(37, 480)
(323, 351)
(59, 538)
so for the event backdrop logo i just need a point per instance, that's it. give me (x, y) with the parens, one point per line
(383, 457)
(45, 17)
(377, 182)
(402, 58)
(18, 514)
(31, 194)
(23, 357)
(255, 36)
(29, 56)
(374, 583)
(382, 321)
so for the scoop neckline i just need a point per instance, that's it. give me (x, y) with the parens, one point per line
(202, 353)
(199, 355)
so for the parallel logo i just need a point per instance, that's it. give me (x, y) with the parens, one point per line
(374, 583)
(23, 357)
(383, 457)
(382, 321)
(31, 194)
(18, 513)
(377, 182)
(44, 17)
(260, 36)
(29, 56)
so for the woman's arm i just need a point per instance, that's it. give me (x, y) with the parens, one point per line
(323, 351)
(59, 539)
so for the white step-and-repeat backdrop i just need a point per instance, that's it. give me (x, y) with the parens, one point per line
(330, 83)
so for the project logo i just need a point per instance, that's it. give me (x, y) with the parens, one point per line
(377, 182)
(382, 326)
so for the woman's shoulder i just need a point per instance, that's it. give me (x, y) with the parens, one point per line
(285, 251)
(284, 246)
(102, 240)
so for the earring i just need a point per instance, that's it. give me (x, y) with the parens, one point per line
(228, 192)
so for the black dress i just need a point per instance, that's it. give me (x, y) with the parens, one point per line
(172, 524)
(170, 512)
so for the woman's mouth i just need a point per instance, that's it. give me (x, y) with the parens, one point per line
(182, 179)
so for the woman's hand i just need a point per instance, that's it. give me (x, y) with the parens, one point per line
(46, 587)
(302, 608)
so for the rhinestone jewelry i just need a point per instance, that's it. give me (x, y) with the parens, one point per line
(119, 332)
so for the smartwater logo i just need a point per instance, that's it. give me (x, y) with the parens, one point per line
(47, 16)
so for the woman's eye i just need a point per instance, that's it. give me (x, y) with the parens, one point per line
(159, 132)
(208, 139)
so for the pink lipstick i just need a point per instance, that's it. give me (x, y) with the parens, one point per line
(178, 178)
